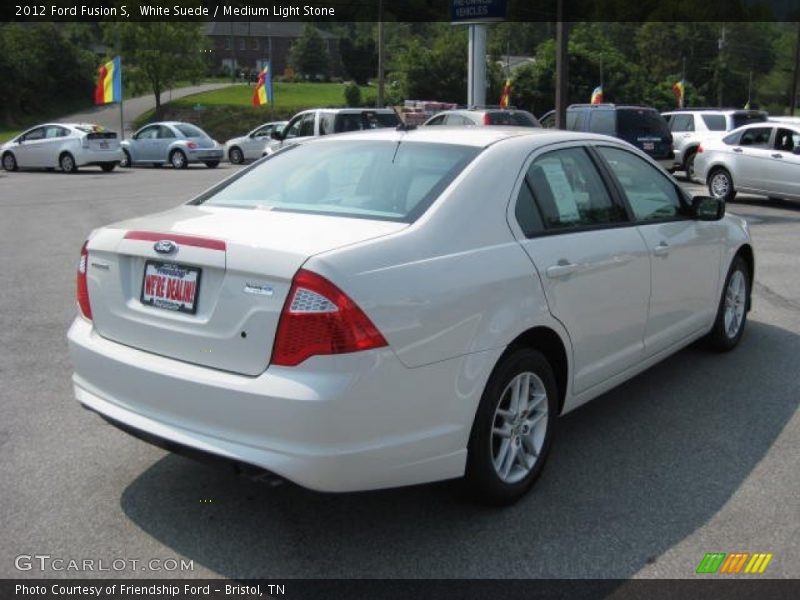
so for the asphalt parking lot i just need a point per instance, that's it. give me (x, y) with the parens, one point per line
(699, 454)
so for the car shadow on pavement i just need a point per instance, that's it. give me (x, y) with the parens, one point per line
(630, 475)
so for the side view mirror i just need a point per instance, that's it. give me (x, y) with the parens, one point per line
(706, 208)
(276, 135)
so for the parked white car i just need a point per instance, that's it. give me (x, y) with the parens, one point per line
(763, 158)
(389, 308)
(65, 146)
(692, 126)
(251, 146)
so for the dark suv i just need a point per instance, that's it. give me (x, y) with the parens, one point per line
(641, 126)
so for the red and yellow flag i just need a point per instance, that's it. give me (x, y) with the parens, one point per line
(109, 82)
(597, 95)
(505, 97)
(679, 89)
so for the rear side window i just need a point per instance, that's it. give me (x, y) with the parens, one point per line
(744, 118)
(651, 195)
(516, 118)
(190, 130)
(603, 121)
(715, 122)
(366, 120)
(682, 123)
(563, 190)
(384, 180)
(633, 123)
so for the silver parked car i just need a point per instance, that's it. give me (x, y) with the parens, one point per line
(691, 127)
(66, 146)
(762, 158)
(171, 142)
(251, 146)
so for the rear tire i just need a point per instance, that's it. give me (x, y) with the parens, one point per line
(9, 162)
(212, 164)
(67, 163)
(732, 311)
(235, 155)
(178, 159)
(108, 167)
(720, 185)
(510, 437)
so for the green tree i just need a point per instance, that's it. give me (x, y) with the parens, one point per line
(309, 54)
(159, 53)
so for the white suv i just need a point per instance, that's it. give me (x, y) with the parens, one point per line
(326, 121)
(690, 127)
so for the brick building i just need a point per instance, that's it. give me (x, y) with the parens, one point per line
(249, 45)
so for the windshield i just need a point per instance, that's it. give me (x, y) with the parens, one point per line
(385, 180)
(190, 131)
(638, 122)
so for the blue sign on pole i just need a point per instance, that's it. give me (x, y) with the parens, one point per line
(477, 11)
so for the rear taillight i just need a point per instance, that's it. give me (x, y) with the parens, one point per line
(486, 119)
(83, 288)
(699, 149)
(191, 145)
(318, 318)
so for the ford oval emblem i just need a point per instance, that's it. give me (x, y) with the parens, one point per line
(165, 247)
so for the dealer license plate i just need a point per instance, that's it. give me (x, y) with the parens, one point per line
(170, 286)
(648, 146)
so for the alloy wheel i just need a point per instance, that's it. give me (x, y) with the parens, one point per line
(735, 298)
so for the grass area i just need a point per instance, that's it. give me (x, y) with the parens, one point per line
(287, 96)
(228, 112)
(7, 134)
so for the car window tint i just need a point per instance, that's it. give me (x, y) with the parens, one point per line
(715, 122)
(603, 121)
(148, 133)
(569, 192)
(36, 134)
(306, 125)
(635, 122)
(293, 128)
(165, 132)
(438, 120)
(190, 131)
(757, 136)
(54, 132)
(528, 216)
(575, 119)
(682, 123)
(453, 119)
(744, 118)
(378, 179)
(787, 140)
(652, 196)
(327, 123)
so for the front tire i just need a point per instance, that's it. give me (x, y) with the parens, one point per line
(732, 311)
(510, 437)
(236, 156)
(178, 159)
(9, 162)
(720, 185)
(67, 163)
(126, 162)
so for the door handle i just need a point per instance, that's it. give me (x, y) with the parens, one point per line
(662, 249)
(562, 269)
(739, 150)
(776, 155)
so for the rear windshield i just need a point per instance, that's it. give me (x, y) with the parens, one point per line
(633, 123)
(366, 120)
(740, 119)
(384, 180)
(517, 118)
(190, 131)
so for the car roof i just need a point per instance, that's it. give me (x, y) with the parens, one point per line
(479, 137)
(349, 110)
(609, 105)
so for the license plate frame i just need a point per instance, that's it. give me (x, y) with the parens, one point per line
(170, 304)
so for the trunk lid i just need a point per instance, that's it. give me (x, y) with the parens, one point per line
(237, 263)
(102, 141)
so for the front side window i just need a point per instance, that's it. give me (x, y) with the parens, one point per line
(562, 190)
(651, 195)
(384, 180)
(757, 136)
(34, 134)
(148, 133)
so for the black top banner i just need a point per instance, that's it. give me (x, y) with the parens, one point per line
(401, 10)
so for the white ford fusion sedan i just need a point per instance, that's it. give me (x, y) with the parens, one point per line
(395, 307)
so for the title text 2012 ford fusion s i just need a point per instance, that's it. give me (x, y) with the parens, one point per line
(389, 308)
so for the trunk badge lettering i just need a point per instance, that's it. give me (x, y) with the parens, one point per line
(258, 289)
(165, 247)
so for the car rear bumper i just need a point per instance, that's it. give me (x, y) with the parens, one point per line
(350, 422)
(205, 154)
(97, 157)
